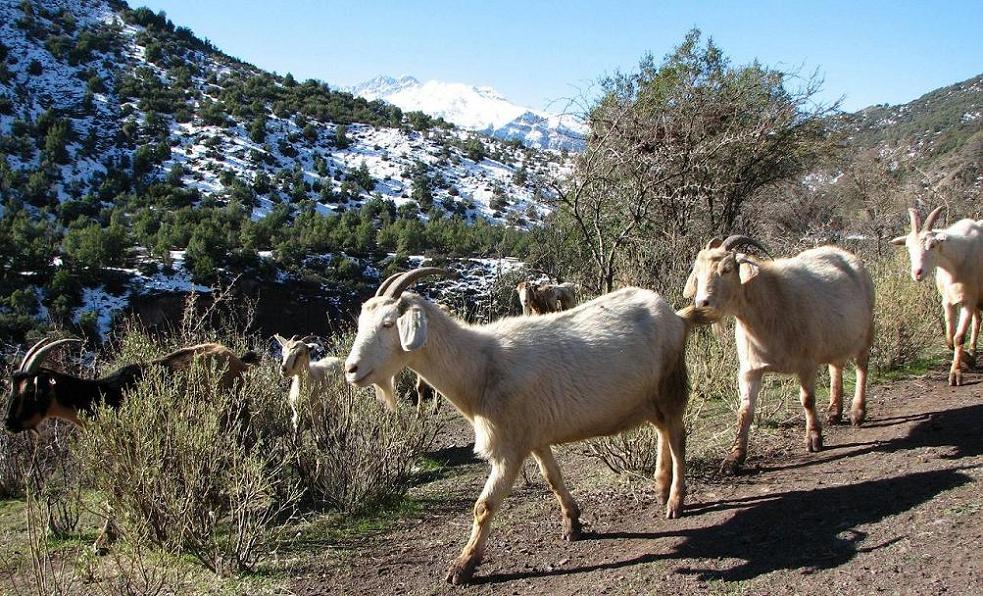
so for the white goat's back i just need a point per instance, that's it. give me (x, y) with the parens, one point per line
(592, 370)
(815, 307)
(964, 246)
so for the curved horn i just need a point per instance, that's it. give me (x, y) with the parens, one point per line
(407, 279)
(914, 218)
(389, 280)
(308, 338)
(30, 365)
(930, 220)
(736, 240)
(30, 352)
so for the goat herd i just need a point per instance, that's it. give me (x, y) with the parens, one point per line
(613, 363)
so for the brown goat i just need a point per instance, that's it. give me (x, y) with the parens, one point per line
(543, 298)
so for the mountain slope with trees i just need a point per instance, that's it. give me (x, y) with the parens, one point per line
(131, 145)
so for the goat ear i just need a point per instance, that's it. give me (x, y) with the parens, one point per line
(714, 242)
(311, 346)
(746, 268)
(690, 290)
(899, 241)
(412, 326)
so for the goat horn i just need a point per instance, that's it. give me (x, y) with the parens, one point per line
(914, 218)
(31, 364)
(732, 242)
(930, 220)
(30, 352)
(385, 284)
(308, 338)
(408, 278)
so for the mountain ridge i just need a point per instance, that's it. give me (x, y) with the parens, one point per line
(479, 108)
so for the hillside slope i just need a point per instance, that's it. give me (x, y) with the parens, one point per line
(136, 157)
(935, 141)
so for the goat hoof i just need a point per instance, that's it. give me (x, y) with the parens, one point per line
(955, 378)
(572, 530)
(814, 443)
(731, 466)
(461, 572)
(857, 418)
(834, 418)
(674, 510)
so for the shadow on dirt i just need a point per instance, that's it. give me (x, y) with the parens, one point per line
(808, 529)
(823, 534)
(450, 457)
(956, 429)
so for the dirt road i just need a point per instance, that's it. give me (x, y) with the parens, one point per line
(895, 507)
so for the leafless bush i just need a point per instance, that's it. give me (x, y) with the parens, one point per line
(130, 571)
(188, 467)
(15, 451)
(352, 455)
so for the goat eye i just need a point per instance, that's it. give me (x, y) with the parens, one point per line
(388, 323)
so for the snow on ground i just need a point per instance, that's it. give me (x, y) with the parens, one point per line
(104, 305)
(107, 306)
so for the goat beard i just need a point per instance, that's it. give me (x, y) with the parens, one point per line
(385, 393)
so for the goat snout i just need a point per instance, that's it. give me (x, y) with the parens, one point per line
(703, 302)
(917, 274)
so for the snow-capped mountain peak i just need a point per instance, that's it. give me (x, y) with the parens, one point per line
(482, 109)
(381, 86)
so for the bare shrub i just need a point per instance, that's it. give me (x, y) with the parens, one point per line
(353, 455)
(46, 571)
(14, 452)
(187, 467)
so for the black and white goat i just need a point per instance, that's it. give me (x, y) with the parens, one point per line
(38, 392)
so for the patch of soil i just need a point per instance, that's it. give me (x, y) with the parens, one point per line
(895, 506)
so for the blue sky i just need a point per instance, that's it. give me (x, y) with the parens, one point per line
(537, 53)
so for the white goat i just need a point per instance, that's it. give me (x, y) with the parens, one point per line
(296, 363)
(792, 315)
(620, 363)
(956, 255)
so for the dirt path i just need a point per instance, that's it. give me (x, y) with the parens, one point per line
(894, 507)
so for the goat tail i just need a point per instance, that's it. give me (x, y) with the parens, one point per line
(696, 316)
